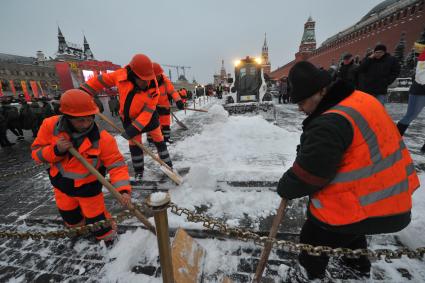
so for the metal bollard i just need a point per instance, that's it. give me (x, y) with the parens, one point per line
(158, 202)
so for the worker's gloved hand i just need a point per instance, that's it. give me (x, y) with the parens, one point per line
(130, 132)
(62, 146)
(180, 104)
(125, 199)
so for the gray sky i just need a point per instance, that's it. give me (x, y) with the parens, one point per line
(196, 33)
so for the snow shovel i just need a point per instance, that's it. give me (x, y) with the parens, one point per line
(268, 246)
(188, 258)
(164, 167)
(198, 110)
(193, 109)
(111, 189)
(180, 123)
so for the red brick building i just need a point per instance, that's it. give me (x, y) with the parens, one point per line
(384, 24)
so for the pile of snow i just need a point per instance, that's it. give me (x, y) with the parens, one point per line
(132, 247)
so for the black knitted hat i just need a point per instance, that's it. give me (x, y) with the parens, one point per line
(305, 80)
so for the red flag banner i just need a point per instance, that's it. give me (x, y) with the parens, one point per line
(42, 90)
(25, 90)
(1, 89)
(12, 87)
(34, 88)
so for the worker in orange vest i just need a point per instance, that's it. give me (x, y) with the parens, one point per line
(78, 193)
(353, 165)
(138, 102)
(167, 93)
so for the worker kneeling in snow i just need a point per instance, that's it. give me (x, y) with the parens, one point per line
(351, 162)
(78, 193)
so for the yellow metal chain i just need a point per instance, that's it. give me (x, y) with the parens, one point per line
(26, 170)
(70, 232)
(246, 235)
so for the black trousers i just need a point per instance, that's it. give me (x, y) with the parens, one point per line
(313, 234)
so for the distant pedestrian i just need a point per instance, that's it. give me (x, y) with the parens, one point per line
(417, 90)
(4, 141)
(114, 105)
(47, 110)
(37, 112)
(98, 103)
(26, 117)
(379, 70)
(11, 113)
(348, 70)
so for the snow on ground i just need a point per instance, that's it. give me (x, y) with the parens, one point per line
(246, 148)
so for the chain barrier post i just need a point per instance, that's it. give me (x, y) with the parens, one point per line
(159, 202)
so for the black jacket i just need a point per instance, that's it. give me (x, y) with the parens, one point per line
(324, 140)
(378, 74)
(348, 73)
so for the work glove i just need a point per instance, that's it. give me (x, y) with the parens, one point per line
(125, 198)
(180, 105)
(130, 132)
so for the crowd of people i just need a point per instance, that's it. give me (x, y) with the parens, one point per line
(23, 116)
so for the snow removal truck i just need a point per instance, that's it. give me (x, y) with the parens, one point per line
(249, 90)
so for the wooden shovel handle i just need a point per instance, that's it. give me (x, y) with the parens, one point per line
(144, 148)
(111, 189)
(268, 246)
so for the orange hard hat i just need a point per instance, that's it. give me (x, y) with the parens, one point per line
(75, 102)
(157, 69)
(141, 65)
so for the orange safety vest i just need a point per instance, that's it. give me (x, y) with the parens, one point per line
(166, 89)
(376, 177)
(102, 153)
(143, 104)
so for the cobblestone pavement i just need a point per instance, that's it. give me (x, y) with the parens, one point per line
(26, 202)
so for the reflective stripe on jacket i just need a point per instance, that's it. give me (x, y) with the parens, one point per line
(143, 104)
(376, 176)
(100, 150)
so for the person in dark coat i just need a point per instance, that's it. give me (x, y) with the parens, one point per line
(56, 104)
(330, 168)
(98, 103)
(47, 110)
(417, 89)
(348, 70)
(37, 112)
(114, 106)
(379, 70)
(4, 141)
(26, 117)
(11, 113)
(283, 91)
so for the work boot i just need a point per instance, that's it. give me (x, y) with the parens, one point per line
(138, 176)
(360, 265)
(169, 141)
(402, 128)
(423, 148)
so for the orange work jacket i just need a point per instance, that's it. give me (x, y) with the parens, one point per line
(142, 105)
(66, 172)
(376, 177)
(166, 90)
